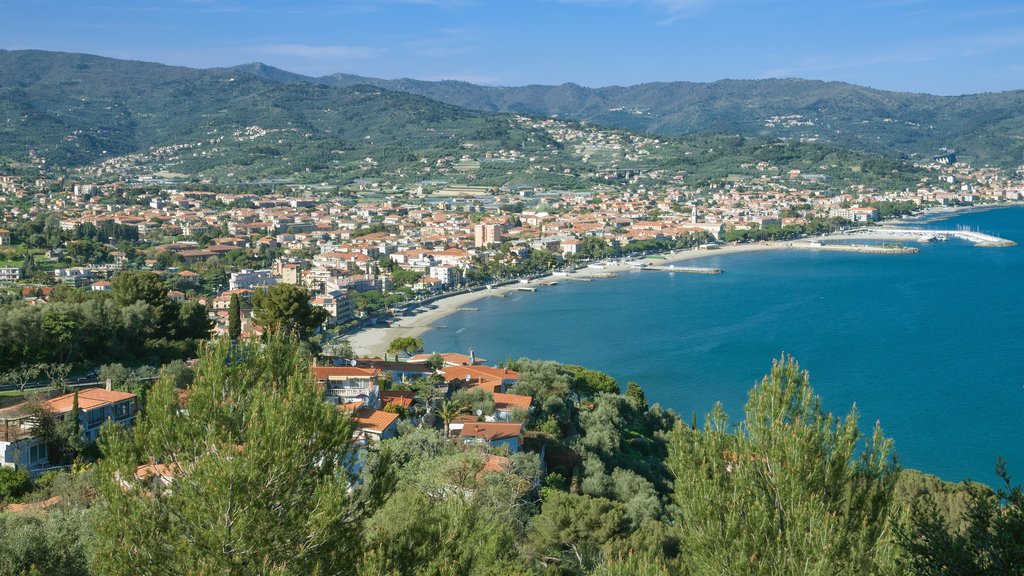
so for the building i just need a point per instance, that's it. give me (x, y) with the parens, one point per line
(339, 308)
(251, 279)
(347, 384)
(9, 274)
(494, 434)
(856, 214)
(5, 237)
(21, 448)
(486, 235)
(448, 275)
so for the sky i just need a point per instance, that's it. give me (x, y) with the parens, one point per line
(935, 46)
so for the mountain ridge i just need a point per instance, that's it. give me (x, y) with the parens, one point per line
(78, 108)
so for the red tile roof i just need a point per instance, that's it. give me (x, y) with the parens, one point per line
(88, 399)
(492, 431)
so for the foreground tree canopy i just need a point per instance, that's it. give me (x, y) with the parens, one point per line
(263, 475)
(791, 490)
(256, 474)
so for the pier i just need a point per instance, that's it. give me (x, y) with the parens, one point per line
(686, 269)
(925, 236)
(863, 248)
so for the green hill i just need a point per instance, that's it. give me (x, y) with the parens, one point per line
(983, 128)
(254, 122)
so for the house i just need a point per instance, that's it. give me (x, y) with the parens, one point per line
(398, 398)
(494, 434)
(9, 274)
(21, 448)
(96, 406)
(486, 377)
(345, 384)
(506, 404)
(451, 359)
(370, 423)
(5, 237)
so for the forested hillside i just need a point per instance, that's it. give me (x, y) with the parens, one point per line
(246, 124)
(983, 128)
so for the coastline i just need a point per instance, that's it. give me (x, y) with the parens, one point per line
(373, 341)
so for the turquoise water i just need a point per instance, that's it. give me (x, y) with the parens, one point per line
(928, 344)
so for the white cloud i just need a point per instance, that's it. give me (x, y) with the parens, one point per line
(316, 52)
(671, 10)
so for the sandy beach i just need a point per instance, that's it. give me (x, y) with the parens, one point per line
(373, 341)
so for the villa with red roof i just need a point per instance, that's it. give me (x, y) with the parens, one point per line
(20, 447)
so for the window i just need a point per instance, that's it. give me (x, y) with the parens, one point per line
(95, 417)
(37, 453)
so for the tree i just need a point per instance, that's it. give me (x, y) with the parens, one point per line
(990, 543)
(436, 361)
(13, 483)
(22, 375)
(57, 373)
(68, 432)
(234, 318)
(285, 308)
(792, 491)
(449, 411)
(245, 497)
(405, 344)
(572, 529)
(132, 286)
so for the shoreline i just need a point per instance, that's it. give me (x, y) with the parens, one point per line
(373, 341)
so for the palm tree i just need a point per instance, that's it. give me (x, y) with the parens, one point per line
(448, 412)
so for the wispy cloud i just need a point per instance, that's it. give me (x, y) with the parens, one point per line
(946, 48)
(671, 10)
(307, 51)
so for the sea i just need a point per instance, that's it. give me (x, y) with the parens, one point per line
(929, 344)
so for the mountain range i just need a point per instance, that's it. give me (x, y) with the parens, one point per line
(984, 128)
(76, 109)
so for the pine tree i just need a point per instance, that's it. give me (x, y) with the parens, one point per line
(263, 474)
(68, 432)
(234, 318)
(793, 490)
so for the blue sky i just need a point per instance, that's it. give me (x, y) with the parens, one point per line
(935, 46)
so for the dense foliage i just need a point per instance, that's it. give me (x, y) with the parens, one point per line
(136, 322)
(623, 488)
(247, 495)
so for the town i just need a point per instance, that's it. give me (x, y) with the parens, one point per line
(368, 247)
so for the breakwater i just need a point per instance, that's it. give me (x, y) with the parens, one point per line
(926, 236)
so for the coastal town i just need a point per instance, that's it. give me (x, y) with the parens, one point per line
(371, 248)
(462, 288)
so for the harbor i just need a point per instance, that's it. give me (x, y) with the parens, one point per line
(925, 236)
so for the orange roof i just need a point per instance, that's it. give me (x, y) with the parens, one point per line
(397, 397)
(493, 463)
(156, 470)
(326, 372)
(491, 431)
(34, 506)
(512, 401)
(484, 377)
(88, 399)
(373, 420)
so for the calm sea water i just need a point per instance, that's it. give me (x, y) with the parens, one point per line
(929, 344)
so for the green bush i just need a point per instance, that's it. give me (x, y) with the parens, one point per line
(13, 483)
